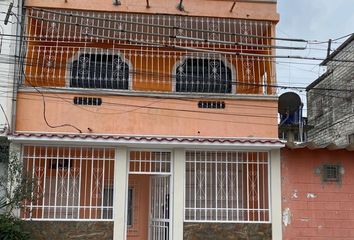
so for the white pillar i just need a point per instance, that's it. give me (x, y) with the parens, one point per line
(119, 195)
(178, 194)
(275, 186)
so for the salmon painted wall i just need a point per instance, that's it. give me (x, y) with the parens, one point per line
(148, 116)
(313, 209)
(217, 8)
(141, 187)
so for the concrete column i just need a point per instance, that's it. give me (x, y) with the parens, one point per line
(275, 186)
(178, 193)
(119, 195)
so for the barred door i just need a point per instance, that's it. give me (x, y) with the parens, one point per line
(159, 224)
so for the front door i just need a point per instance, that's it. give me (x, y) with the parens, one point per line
(159, 219)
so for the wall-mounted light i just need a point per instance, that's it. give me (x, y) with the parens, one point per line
(116, 2)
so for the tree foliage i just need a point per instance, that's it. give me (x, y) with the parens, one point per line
(16, 186)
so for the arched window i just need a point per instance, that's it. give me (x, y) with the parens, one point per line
(203, 75)
(99, 70)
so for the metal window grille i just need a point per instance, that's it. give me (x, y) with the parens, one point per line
(227, 186)
(64, 46)
(99, 71)
(70, 183)
(331, 173)
(150, 162)
(203, 75)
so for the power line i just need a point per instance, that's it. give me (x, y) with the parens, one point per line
(157, 74)
(185, 28)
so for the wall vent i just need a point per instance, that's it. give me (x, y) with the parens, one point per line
(211, 104)
(331, 173)
(90, 101)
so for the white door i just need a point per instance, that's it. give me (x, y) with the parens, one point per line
(159, 222)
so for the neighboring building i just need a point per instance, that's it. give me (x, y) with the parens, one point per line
(317, 191)
(7, 53)
(149, 122)
(331, 112)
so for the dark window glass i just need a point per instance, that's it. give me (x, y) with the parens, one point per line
(203, 75)
(107, 203)
(130, 207)
(99, 71)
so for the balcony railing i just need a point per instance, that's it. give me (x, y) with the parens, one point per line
(147, 52)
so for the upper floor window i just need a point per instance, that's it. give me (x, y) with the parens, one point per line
(203, 75)
(99, 71)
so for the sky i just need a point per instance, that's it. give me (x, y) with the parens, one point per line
(311, 20)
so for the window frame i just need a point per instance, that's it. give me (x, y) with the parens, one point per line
(331, 173)
(204, 56)
(100, 51)
(264, 214)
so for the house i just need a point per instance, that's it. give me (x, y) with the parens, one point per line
(330, 99)
(317, 191)
(149, 119)
(7, 51)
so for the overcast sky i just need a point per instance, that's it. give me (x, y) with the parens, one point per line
(313, 20)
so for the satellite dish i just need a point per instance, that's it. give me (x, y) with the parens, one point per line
(288, 103)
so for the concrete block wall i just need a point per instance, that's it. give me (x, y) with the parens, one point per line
(311, 208)
(336, 121)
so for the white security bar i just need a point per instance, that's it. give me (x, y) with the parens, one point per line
(227, 186)
(150, 162)
(70, 183)
(124, 51)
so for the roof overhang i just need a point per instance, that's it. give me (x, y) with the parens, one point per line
(314, 146)
(145, 141)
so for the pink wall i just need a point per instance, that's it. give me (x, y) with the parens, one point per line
(148, 116)
(317, 210)
(141, 188)
(217, 8)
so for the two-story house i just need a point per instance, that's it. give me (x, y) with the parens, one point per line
(149, 119)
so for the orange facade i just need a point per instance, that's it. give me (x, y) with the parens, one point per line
(149, 116)
(215, 8)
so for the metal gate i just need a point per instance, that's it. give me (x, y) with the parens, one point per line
(159, 222)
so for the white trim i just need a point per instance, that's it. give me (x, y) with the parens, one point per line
(119, 199)
(144, 144)
(275, 194)
(178, 193)
(137, 93)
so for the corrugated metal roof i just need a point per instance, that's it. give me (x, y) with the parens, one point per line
(314, 146)
(318, 80)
